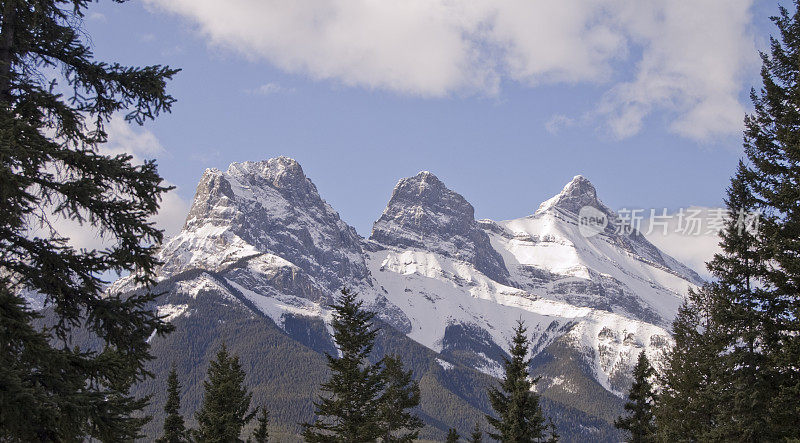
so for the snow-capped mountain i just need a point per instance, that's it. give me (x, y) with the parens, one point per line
(270, 207)
(611, 295)
(259, 236)
(262, 228)
(423, 214)
(616, 269)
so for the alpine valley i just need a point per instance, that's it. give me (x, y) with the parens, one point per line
(261, 256)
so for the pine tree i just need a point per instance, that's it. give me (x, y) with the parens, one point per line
(744, 380)
(769, 407)
(174, 428)
(225, 402)
(261, 433)
(734, 375)
(350, 407)
(452, 436)
(552, 431)
(688, 400)
(55, 99)
(520, 417)
(639, 422)
(477, 434)
(400, 395)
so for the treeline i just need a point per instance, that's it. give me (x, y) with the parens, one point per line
(361, 401)
(734, 373)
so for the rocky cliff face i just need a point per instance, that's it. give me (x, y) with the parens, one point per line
(269, 207)
(424, 214)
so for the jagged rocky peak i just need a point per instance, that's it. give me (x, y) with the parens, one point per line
(268, 207)
(212, 192)
(283, 174)
(247, 181)
(579, 192)
(424, 214)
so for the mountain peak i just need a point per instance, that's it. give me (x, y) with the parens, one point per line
(282, 174)
(427, 175)
(425, 214)
(422, 184)
(279, 172)
(579, 192)
(262, 207)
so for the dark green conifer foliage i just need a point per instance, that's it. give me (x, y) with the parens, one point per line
(690, 393)
(400, 395)
(639, 422)
(174, 428)
(54, 102)
(350, 407)
(261, 433)
(735, 375)
(772, 175)
(477, 435)
(452, 436)
(226, 401)
(744, 377)
(552, 431)
(519, 415)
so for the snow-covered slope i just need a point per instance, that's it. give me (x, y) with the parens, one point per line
(424, 214)
(265, 207)
(261, 233)
(615, 269)
(611, 294)
(263, 229)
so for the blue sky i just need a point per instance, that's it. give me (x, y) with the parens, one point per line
(643, 106)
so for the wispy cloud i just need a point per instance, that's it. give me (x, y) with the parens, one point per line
(693, 247)
(141, 144)
(558, 122)
(269, 89)
(97, 16)
(679, 57)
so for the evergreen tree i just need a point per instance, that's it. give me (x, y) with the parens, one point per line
(768, 409)
(350, 407)
(174, 428)
(261, 434)
(734, 375)
(452, 436)
(639, 422)
(401, 393)
(225, 402)
(552, 431)
(477, 434)
(520, 416)
(688, 400)
(55, 100)
(744, 379)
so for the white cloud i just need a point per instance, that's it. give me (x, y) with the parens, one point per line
(693, 57)
(97, 16)
(680, 56)
(678, 237)
(269, 89)
(124, 137)
(141, 144)
(558, 122)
